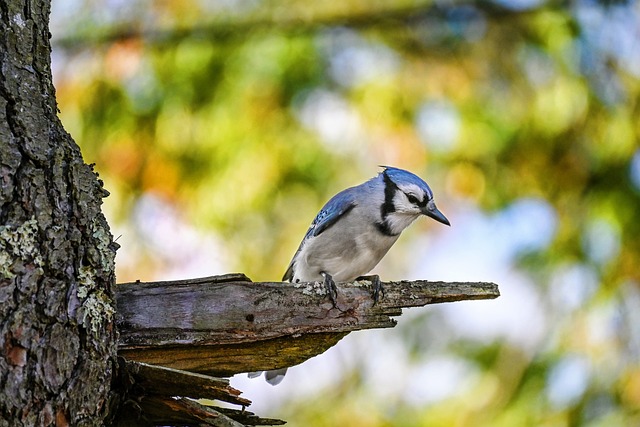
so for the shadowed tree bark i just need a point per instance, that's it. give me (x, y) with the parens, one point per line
(57, 335)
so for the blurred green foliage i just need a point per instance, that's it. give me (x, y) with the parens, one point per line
(247, 117)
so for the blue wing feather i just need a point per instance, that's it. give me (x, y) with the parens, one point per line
(335, 208)
(338, 206)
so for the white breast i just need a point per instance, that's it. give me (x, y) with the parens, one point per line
(345, 251)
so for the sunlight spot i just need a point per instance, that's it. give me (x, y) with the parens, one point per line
(528, 224)
(572, 285)
(438, 379)
(354, 60)
(518, 4)
(601, 241)
(438, 124)
(634, 169)
(568, 380)
(331, 117)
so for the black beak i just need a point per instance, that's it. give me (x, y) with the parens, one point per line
(433, 212)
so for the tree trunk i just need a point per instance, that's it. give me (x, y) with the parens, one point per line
(57, 334)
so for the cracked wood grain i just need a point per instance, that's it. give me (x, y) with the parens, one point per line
(223, 326)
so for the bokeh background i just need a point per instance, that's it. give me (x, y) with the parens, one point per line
(221, 127)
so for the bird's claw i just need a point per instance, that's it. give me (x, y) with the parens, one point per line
(378, 289)
(331, 288)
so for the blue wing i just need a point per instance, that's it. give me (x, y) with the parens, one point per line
(338, 206)
(335, 208)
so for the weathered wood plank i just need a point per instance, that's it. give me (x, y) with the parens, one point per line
(249, 418)
(222, 327)
(163, 381)
(211, 313)
(159, 410)
(227, 360)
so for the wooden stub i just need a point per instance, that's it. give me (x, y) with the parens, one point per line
(163, 381)
(230, 325)
(160, 410)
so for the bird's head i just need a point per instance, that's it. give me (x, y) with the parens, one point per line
(411, 195)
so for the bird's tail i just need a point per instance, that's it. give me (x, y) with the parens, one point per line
(274, 377)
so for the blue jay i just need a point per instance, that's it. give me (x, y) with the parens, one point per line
(358, 226)
(355, 229)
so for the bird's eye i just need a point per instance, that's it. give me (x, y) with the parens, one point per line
(412, 199)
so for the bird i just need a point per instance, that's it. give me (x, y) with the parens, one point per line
(355, 229)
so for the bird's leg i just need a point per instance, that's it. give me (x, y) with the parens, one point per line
(330, 285)
(377, 286)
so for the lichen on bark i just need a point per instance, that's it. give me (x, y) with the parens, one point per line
(19, 243)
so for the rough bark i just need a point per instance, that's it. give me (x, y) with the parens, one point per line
(57, 336)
